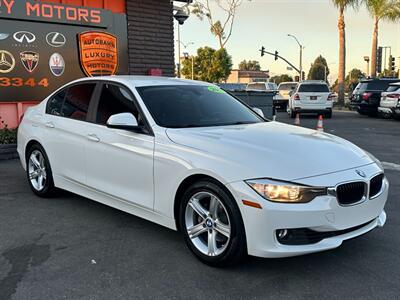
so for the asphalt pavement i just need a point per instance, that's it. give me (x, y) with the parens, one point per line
(70, 247)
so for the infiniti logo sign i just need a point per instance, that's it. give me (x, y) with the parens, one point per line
(361, 173)
(24, 37)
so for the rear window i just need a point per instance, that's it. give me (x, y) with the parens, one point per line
(257, 86)
(376, 85)
(287, 86)
(314, 88)
(393, 88)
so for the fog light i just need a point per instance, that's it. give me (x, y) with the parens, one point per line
(282, 233)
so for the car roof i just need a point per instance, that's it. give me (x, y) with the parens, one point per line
(141, 81)
(380, 79)
(313, 82)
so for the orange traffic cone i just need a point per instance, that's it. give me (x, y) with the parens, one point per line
(297, 121)
(320, 125)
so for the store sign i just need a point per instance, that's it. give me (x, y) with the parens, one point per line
(54, 12)
(98, 53)
(46, 45)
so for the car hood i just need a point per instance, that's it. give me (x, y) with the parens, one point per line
(271, 149)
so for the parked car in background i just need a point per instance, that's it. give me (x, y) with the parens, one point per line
(262, 86)
(311, 97)
(366, 97)
(282, 98)
(390, 102)
(232, 87)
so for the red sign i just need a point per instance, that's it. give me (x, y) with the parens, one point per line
(98, 53)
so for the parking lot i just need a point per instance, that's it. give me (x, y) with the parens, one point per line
(73, 248)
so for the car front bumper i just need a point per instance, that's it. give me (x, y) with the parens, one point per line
(323, 214)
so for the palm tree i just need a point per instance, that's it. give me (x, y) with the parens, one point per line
(342, 5)
(385, 10)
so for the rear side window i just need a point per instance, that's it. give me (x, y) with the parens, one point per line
(314, 88)
(393, 88)
(54, 105)
(77, 101)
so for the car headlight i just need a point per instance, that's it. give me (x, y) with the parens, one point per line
(286, 192)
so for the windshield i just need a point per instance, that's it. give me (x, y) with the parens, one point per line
(312, 88)
(257, 86)
(182, 106)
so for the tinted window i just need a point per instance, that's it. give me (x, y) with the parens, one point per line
(375, 85)
(76, 103)
(114, 100)
(314, 88)
(393, 88)
(55, 103)
(183, 106)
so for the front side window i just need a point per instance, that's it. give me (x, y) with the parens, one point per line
(76, 104)
(55, 103)
(115, 99)
(182, 106)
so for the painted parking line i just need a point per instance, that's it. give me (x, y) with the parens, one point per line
(391, 166)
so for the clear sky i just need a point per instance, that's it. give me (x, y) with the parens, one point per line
(314, 22)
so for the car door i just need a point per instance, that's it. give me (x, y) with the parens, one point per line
(65, 122)
(120, 162)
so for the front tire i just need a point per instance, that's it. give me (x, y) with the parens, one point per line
(212, 224)
(38, 171)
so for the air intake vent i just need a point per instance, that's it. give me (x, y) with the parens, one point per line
(350, 193)
(376, 185)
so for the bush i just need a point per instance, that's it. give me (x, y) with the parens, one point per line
(8, 136)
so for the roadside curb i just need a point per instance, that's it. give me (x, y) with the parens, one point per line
(8, 151)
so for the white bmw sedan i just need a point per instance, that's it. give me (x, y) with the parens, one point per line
(193, 158)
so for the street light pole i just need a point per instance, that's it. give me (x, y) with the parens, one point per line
(301, 55)
(179, 51)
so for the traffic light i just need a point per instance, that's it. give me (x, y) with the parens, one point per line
(262, 51)
(276, 55)
(379, 60)
(392, 63)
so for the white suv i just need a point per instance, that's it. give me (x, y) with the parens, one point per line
(390, 102)
(311, 97)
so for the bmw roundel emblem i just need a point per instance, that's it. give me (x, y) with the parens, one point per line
(361, 173)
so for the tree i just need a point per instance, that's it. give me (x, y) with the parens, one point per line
(209, 65)
(221, 30)
(342, 5)
(353, 78)
(251, 65)
(381, 10)
(282, 78)
(318, 68)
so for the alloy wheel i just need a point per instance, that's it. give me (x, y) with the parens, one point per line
(207, 223)
(37, 170)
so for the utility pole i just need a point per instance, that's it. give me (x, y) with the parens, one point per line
(179, 51)
(366, 59)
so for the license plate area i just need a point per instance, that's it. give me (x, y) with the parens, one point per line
(313, 97)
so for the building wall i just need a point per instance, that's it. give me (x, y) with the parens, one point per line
(150, 36)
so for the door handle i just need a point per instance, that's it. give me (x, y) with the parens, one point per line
(49, 125)
(92, 137)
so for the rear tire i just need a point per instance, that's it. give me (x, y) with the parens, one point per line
(38, 172)
(212, 225)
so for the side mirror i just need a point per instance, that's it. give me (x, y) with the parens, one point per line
(125, 121)
(259, 112)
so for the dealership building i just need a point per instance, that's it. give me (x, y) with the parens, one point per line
(45, 44)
